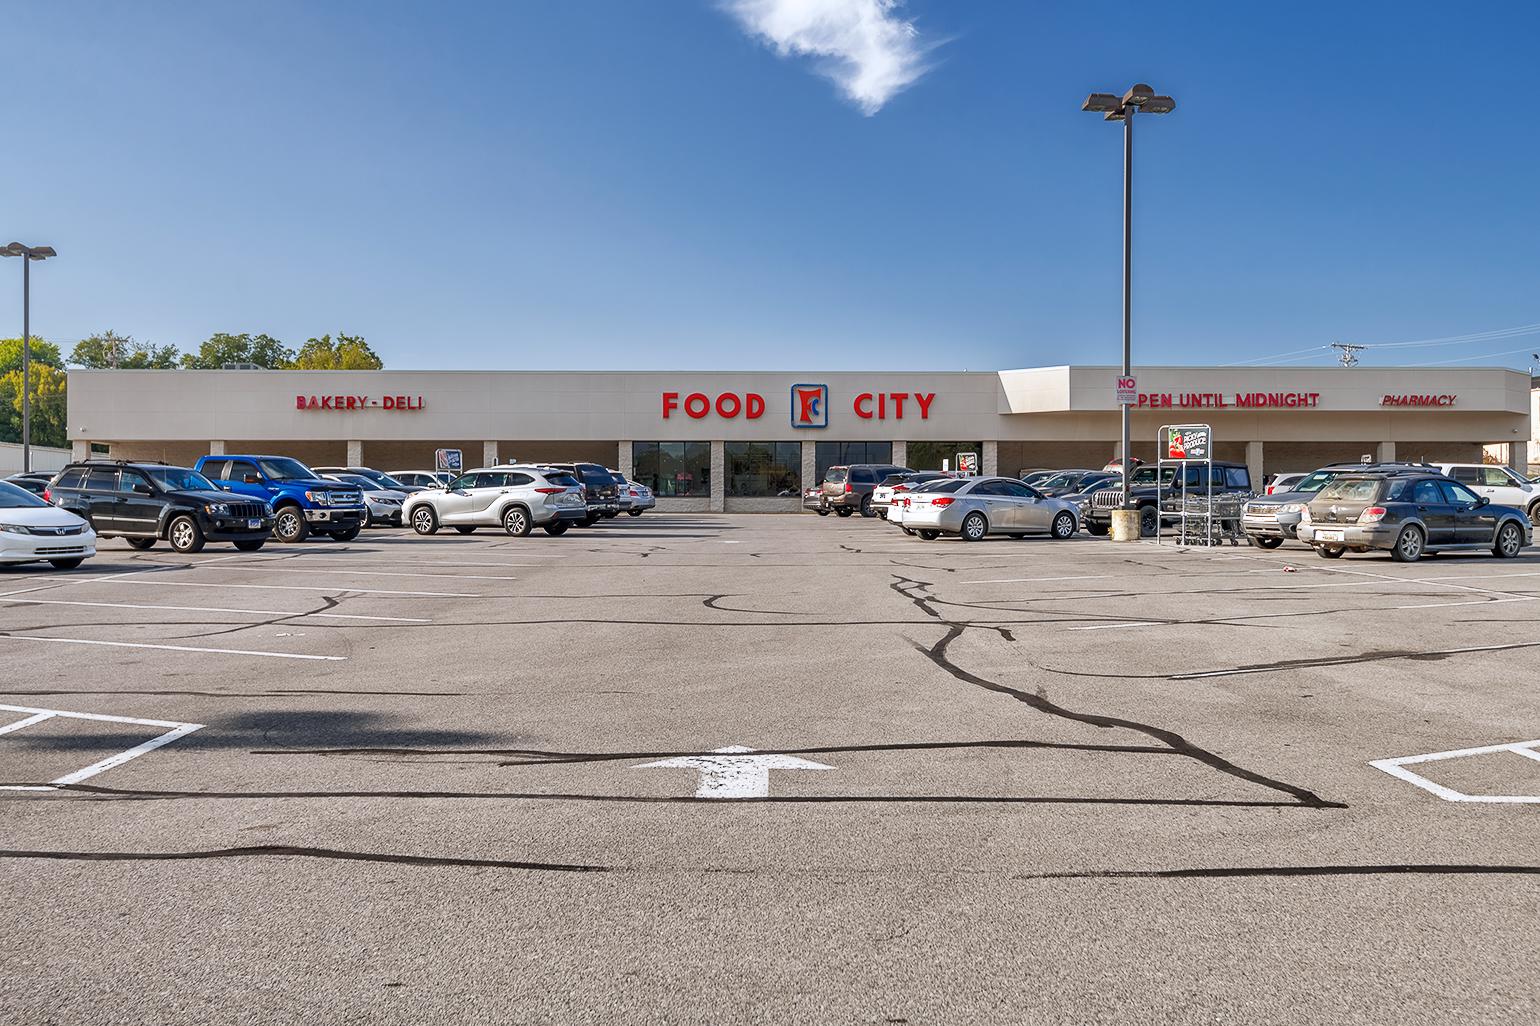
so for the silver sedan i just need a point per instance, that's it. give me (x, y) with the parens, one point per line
(977, 506)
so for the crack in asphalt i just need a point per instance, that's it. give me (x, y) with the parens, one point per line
(1415, 655)
(285, 850)
(917, 592)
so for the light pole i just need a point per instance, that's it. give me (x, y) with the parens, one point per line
(1139, 98)
(28, 254)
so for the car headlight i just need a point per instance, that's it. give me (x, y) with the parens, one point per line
(1291, 507)
(14, 529)
(1304, 514)
(267, 509)
(389, 502)
(319, 498)
(218, 509)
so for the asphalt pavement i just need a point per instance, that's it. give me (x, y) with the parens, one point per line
(768, 769)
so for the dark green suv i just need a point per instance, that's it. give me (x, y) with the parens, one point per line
(145, 502)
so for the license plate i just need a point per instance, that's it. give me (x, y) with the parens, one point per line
(255, 525)
(1333, 536)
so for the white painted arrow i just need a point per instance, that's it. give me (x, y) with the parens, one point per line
(734, 771)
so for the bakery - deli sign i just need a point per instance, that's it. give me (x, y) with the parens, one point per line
(358, 402)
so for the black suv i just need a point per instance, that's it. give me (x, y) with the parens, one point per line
(600, 489)
(1410, 512)
(144, 502)
(847, 490)
(1153, 484)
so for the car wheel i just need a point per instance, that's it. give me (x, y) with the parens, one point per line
(556, 530)
(1510, 540)
(516, 522)
(251, 544)
(1149, 521)
(844, 511)
(1064, 525)
(821, 512)
(866, 507)
(634, 512)
(465, 529)
(882, 514)
(974, 527)
(908, 531)
(66, 564)
(1330, 551)
(1099, 530)
(185, 535)
(289, 525)
(424, 520)
(1266, 543)
(929, 535)
(347, 535)
(1408, 547)
(591, 520)
(141, 543)
(1534, 513)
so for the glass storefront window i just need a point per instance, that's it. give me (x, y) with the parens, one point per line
(758, 469)
(839, 454)
(673, 469)
(928, 455)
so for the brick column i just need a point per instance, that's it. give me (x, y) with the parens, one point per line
(625, 458)
(355, 452)
(217, 448)
(1518, 457)
(489, 454)
(809, 464)
(80, 450)
(1255, 465)
(900, 454)
(1385, 452)
(718, 502)
(989, 459)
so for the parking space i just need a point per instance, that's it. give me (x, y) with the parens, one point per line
(686, 755)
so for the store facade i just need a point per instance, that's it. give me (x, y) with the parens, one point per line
(750, 441)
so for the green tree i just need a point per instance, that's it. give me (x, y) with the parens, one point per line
(42, 353)
(222, 348)
(48, 406)
(109, 349)
(349, 352)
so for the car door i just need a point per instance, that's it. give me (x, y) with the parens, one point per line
(990, 497)
(1475, 522)
(1032, 511)
(489, 490)
(1435, 511)
(139, 505)
(455, 506)
(244, 477)
(100, 497)
(1505, 488)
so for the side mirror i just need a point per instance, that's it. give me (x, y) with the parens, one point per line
(143, 489)
(251, 479)
(1483, 501)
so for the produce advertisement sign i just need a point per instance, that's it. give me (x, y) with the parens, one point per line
(1187, 442)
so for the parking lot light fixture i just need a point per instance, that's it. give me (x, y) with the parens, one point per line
(1139, 98)
(28, 254)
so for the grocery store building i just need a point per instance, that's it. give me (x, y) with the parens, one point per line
(749, 441)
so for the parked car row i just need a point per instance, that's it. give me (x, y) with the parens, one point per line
(246, 499)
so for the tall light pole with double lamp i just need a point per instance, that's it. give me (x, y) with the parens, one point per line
(1139, 99)
(27, 254)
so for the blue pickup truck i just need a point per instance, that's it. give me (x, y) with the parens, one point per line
(302, 502)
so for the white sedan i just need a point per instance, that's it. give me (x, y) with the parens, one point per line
(35, 531)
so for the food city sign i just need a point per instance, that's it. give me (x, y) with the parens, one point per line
(809, 405)
(358, 402)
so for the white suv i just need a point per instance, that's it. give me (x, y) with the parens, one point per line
(517, 498)
(1501, 486)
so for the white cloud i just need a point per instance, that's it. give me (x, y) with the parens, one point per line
(869, 52)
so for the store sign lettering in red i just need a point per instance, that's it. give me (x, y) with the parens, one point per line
(1418, 400)
(1230, 400)
(749, 405)
(357, 402)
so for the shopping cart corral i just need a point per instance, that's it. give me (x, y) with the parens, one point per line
(1204, 519)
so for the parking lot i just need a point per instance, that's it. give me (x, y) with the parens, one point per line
(481, 779)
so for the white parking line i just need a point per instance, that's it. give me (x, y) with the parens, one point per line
(374, 573)
(1396, 768)
(1471, 602)
(174, 648)
(1119, 626)
(1034, 580)
(294, 587)
(174, 730)
(211, 609)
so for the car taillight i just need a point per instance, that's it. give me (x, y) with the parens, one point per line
(848, 489)
(550, 491)
(941, 500)
(46, 496)
(1270, 489)
(1372, 515)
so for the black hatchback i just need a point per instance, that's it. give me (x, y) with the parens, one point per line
(146, 502)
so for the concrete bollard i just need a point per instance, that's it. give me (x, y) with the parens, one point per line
(1125, 525)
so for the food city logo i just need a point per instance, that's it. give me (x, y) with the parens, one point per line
(358, 402)
(809, 405)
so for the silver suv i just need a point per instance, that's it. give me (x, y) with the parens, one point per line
(516, 498)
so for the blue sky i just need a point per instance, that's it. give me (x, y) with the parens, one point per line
(624, 185)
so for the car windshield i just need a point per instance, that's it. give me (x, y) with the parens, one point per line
(950, 485)
(386, 481)
(281, 468)
(1354, 489)
(12, 497)
(562, 479)
(837, 475)
(1312, 482)
(1064, 480)
(179, 479)
(364, 483)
